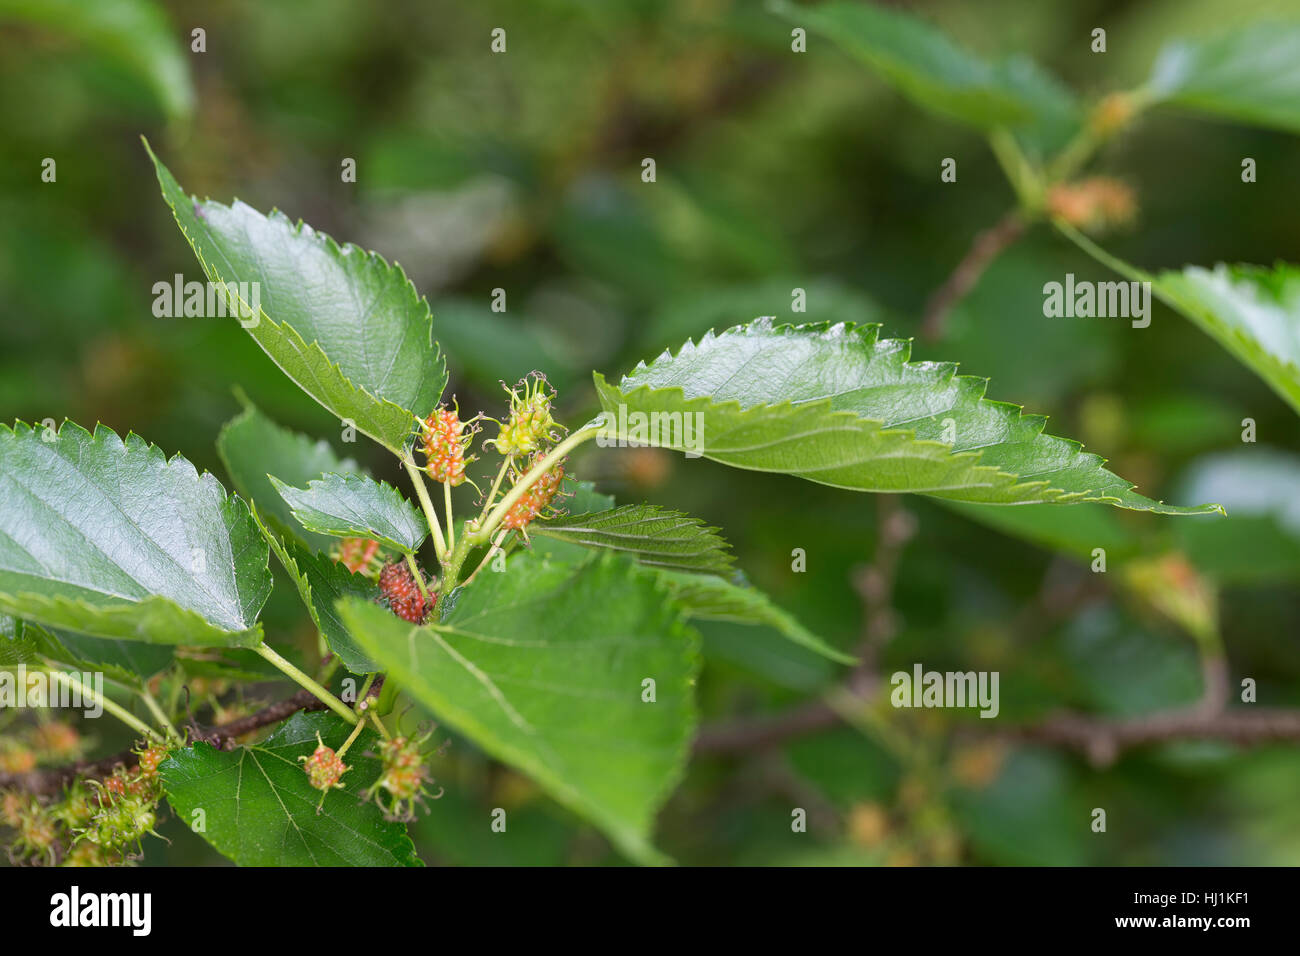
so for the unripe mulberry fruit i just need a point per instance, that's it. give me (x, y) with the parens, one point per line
(38, 832)
(358, 555)
(88, 853)
(445, 439)
(12, 805)
(530, 425)
(324, 767)
(399, 587)
(1093, 204)
(16, 758)
(538, 496)
(77, 808)
(57, 741)
(150, 758)
(403, 778)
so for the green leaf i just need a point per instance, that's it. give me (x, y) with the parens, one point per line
(109, 538)
(839, 406)
(697, 587)
(1251, 311)
(652, 535)
(321, 582)
(1251, 74)
(346, 326)
(16, 644)
(581, 497)
(711, 598)
(136, 33)
(253, 447)
(354, 506)
(129, 662)
(542, 666)
(935, 73)
(260, 808)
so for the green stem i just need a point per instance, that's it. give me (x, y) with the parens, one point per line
(356, 732)
(496, 486)
(419, 578)
(387, 694)
(158, 713)
(430, 517)
(316, 690)
(365, 689)
(1100, 254)
(484, 532)
(380, 724)
(112, 706)
(1023, 176)
(451, 524)
(495, 547)
(1089, 139)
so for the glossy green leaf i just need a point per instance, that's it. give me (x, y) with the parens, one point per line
(346, 326)
(935, 73)
(652, 535)
(260, 810)
(253, 447)
(356, 506)
(707, 591)
(321, 582)
(711, 598)
(1251, 74)
(840, 406)
(135, 33)
(112, 539)
(542, 666)
(1251, 311)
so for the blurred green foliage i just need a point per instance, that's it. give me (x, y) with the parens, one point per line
(774, 171)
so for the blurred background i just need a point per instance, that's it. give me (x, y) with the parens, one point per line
(775, 171)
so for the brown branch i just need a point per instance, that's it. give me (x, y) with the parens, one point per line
(51, 780)
(986, 247)
(1101, 740)
(874, 583)
(762, 733)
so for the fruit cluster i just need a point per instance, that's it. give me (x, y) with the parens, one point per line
(530, 425)
(1093, 204)
(324, 767)
(50, 742)
(93, 823)
(401, 784)
(446, 439)
(399, 588)
(359, 555)
(537, 498)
